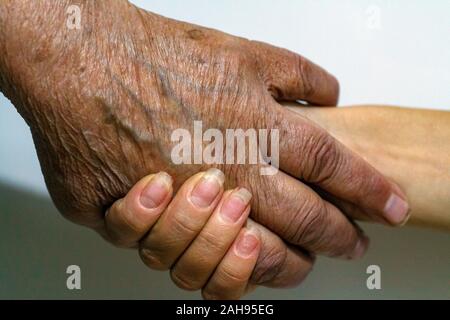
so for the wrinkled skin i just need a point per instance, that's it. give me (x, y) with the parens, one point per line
(103, 101)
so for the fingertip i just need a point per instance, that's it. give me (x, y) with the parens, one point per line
(131, 217)
(155, 191)
(247, 244)
(206, 188)
(396, 210)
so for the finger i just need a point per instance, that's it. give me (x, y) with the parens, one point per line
(309, 153)
(279, 265)
(230, 279)
(183, 219)
(291, 77)
(351, 210)
(130, 218)
(298, 214)
(198, 262)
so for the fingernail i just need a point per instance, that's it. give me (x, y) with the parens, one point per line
(396, 210)
(246, 244)
(235, 205)
(207, 189)
(156, 191)
(360, 248)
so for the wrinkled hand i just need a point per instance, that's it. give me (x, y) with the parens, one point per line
(103, 101)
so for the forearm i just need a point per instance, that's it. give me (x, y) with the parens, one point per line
(408, 145)
(58, 80)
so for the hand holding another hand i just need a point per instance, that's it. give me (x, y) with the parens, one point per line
(103, 101)
(199, 234)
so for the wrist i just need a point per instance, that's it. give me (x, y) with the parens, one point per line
(39, 52)
(399, 143)
(25, 48)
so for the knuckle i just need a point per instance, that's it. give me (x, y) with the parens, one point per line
(184, 224)
(184, 281)
(232, 277)
(210, 242)
(308, 225)
(323, 158)
(151, 259)
(269, 264)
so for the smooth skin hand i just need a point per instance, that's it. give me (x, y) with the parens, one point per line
(410, 146)
(103, 101)
(199, 233)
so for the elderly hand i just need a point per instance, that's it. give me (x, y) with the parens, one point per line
(102, 102)
(199, 233)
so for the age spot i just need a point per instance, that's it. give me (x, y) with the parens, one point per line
(195, 34)
(42, 53)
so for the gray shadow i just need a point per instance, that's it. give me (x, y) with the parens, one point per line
(37, 245)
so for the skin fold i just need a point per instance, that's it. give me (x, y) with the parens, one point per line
(101, 103)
